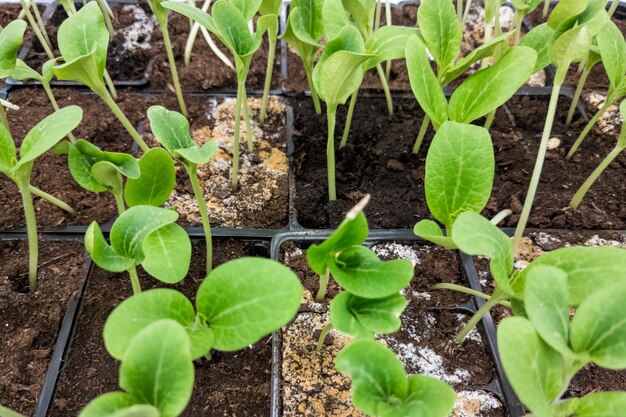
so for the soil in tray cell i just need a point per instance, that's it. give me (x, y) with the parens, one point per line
(516, 147)
(30, 322)
(231, 384)
(425, 343)
(10, 12)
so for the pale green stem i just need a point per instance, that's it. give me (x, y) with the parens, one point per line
(330, 155)
(246, 118)
(383, 81)
(582, 191)
(488, 36)
(613, 8)
(323, 334)
(234, 177)
(204, 215)
(134, 280)
(421, 135)
(35, 27)
(490, 118)
(501, 216)
(193, 33)
(346, 129)
(389, 22)
(172, 61)
(40, 23)
(124, 120)
(314, 96)
(588, 128)
(377, 15)
(55, 106)
(268, 79)
(546, 7)
(541, 156)
(3, 118)
(31, 229)
(119, 202)
(107, 18)
(493, 301)
(468, 7)
(324, 279)
(465, 290)
(518, 21)
(110, 85)
(51, 199)
(579, 90)
(459, 10)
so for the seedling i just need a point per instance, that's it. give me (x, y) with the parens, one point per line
(591, 61)
(229, 22)
(38, 141)
(381, 387)
(522, 9)
(619, 148)
(193, 33)
(142, 235)
(156, 375)
(171, 129)
(237, 304)
(83, 41)
(269, 8)
(11, 39)
(36, 24)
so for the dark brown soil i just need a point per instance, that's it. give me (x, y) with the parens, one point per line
(10, 12)
(30, 322)
(232, 384)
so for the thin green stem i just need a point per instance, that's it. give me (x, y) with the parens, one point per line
(465, 290)
(35, 27)
(40, 23)
(588, 128)
(31, 230)
(389, 22)
(377, 14)
(582, 191)
(204, 214)
(324, 279)
(383, 81)
(314, 96)
(346, 129)
(124, 120)
(421, 134)
(172, 61)
(518, 22)
(501, 216)
(119, 202)
(134, 280)
(468, 6)
(323, 334)
(490, 118)
(51, 199)
(110, 84)
(330, 155)
(541, 156)
(579, 90)
(107, 18)
(613, 7)
(459, 10)
(234, 177)
(493, 301)
(268, 78)
(546, 8)
(246, 118)
(55, 106)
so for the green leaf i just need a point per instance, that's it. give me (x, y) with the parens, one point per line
(428, 397)
(156, 182)
(248, 8)
(533, 368)
(362, 317)
(335, 18)
(526, 6)
(139, 311)
(424, 83)
(167, 253)
(160, 12)
(565, 14)
(459, 171)
(305, 18)
(540, 38)
(246, 299)
(546, 305)
(24, 72)
(429, 230)
(598, 404)
(102, 254)
(270, 7)
(475, 235)
(599, 327)
(388, 43)
(613, 51)
(194, 13)
(489, 88)
(362, 13)
(571, 47)
(352, 231)
(159, 370)
(11, 39)
(8, 153)
(84, 70)
(197, 155)
(139, 410)
(441, 30)
(107, 174)
(108, 404)
(361, 272)
(233, 28)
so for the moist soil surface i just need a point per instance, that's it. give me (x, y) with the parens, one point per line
(424, 343)
(231, 384)
(30, 322)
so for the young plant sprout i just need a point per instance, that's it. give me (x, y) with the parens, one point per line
(229, 22)
(156, 375)
(304, 32)
(142, 235)
(11, 39)
(269, 8)
(612, 50)
(591, 61)
(36, 24)
(619, 148)
(237, 304)
(522, 9)
(544, 347)
(171, 129)
(382, 388)
(38, 141)
(83, 41)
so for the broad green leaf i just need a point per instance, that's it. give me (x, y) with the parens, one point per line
(11, 39)
(167, 253)
(160, 12)
(429, 230)
(459, 171)
(194, 13)
(84, 70)
(102, 254)
(424, 83)
(305, 17)
(352, 231)
(8, 154)
(248, 8)
(108, 174)
(198, 154)
(599, 326)
(540, 38)
(388, 43)
(156, 181)
(246, 299)
(360, 317)
(441, 30)
(489, 88)
(361, 272)
(267, 23)
(533, 368)
(270, 7)
(233, 27)
(475, 235)
(613, 51)
(170, 128)
(24, 72)
(427, 397)
(158, 370)
(139, 311)
(108, 404)
(526, 6)
(133, 226)
(598, 404)
(565, 14)
(588, 269)
(139, 410)
(595, 17)
(335, 18)
(305, 50)
(48, 132)
(571, 47)
(547, 307)
(362, 13)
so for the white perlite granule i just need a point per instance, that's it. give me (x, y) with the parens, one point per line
(396, 251)
(475, 403)
(137, 35)
(596, 240)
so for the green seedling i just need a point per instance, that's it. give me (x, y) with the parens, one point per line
(388, 21)
(38, 141)
(83, 41)
(156, 375)
(33, 16)
(612, 51)
(617, 150)
(269, 8)
(592, 60)
(382, 388)
(142, 235)
(543, 347)
(11, 39)
(171, 129)
(229, 22)
(237, 304)
(522, 9)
